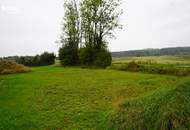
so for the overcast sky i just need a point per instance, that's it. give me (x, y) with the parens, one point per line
(28, 27)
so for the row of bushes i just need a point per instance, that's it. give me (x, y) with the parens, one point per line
(87, 56)
(38, 60)
(155, 69)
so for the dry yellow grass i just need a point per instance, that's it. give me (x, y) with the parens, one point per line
(10, 67)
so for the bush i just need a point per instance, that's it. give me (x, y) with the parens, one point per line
(45, 59)
(68, 56)
(9, 67)
(90, 56)
(133, 66)
(103, 59)
(87, 56)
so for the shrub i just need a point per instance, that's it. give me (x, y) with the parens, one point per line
(87, 56)
(103, 58)
(133, 66)
(68, 56)
(45, 58)
(90, 56)
(9, 67)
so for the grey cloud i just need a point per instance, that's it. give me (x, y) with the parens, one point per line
(147, 24)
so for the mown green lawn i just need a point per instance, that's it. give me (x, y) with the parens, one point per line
(54, 97)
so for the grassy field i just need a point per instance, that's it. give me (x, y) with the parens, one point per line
(168, 65)
(54, 98)
(156, 59)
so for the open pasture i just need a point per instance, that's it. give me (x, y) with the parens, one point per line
(155, 59)
(54, 97)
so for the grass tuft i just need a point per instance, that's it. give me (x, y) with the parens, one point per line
(167, 109)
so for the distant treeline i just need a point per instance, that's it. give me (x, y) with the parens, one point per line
(38, 60)
(154, 52)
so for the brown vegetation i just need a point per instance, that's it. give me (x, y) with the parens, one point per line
(10, 67)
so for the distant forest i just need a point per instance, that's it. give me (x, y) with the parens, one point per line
(185, 51)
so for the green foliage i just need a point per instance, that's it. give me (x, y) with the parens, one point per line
(167, 109)
(87, 56)
(46, 58)
(68, 53)
(38, 60)
(68, 56)
(98, 20)
(103, 58)
(94, 57)
(88, 23)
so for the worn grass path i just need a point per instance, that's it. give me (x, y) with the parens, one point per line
(71, 98)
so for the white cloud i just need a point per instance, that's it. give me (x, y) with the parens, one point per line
(9, 9)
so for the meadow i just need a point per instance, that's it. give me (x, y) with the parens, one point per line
(72, 98)
(180, 60)
(167, 65)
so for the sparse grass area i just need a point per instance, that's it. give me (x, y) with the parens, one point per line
(184, 60)
(11, 67)
(179, 66)
(167, 69)
(53, 97)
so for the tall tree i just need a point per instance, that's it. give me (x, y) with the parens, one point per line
(99, 19)
(70, 37)
(88, 26)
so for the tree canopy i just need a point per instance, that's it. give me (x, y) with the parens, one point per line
(86, 26)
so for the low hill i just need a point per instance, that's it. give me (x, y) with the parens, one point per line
(154, 52)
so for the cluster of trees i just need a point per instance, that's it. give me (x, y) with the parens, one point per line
(38, 60)
(183, 51)
(86, 26)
